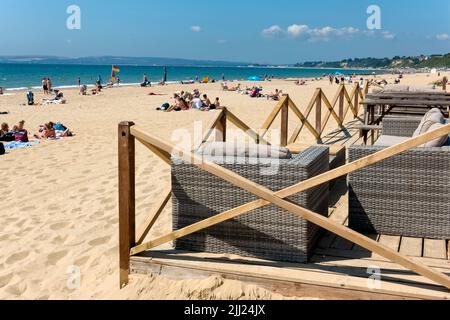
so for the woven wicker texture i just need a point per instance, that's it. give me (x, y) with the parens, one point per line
(267, 233)
(405, 195)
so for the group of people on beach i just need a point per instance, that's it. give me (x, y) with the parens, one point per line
(183, 101)
(253, 92)
(50, 130)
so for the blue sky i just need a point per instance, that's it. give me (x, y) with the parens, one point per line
(282, 31)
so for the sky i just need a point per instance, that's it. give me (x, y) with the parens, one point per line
(257, 31)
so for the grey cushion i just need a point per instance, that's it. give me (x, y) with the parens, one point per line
(436, 143)
(429, 88)
(431, 117)
(395, 88)
(230, 149)
(389, 141)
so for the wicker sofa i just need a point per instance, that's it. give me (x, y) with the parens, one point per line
(266, 233)
(405, 195)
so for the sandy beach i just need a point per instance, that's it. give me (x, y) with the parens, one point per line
(59, 202)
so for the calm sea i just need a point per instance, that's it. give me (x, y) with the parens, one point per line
(25, 76)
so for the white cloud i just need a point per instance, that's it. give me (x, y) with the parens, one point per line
(196, 28)
(297, 31)
(273, 32)
(304, 32)
(443, 37)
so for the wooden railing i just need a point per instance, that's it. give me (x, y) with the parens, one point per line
(337, 109)
(130, 244)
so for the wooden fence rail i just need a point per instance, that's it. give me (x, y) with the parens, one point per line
(129, 245)
(337, 109)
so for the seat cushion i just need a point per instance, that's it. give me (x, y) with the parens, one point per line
(230, 149)
(389, 141)
(431, 117)
(436, 143)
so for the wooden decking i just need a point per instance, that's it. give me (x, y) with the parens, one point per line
(338, 269)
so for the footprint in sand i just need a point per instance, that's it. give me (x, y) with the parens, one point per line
(99, 241)
(30, 208)
(17, 257)
(83, 190)
(106, 200)
(4, 280)
(59, 226)
(76, 210)
(81, 261)
(55, 257)
(54, 207)
(17, 289)
(59, 240)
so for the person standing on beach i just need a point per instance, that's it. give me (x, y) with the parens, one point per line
(118, 81)
(44, 85)
(223, 76)
(49, 85)
(79, 82)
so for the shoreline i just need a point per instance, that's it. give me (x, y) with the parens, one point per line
(180, 82)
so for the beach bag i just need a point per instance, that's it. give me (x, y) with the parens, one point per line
(165, 106)
(2, 149)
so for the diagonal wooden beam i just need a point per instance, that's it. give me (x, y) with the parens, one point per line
(277, 199)
(154, 215)
(241, 125)
(330, 107)
(211, 126)
(164, 156)
(317, 219)
(304, 119)
(350, 102)
(272, 116)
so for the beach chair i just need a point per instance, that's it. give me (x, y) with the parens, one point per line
(266, 233)
(405, 195)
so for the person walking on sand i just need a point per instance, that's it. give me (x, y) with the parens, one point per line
(79, 82)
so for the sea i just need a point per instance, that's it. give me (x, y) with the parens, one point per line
(29, 76)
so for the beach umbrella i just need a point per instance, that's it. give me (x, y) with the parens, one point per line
(255, 78)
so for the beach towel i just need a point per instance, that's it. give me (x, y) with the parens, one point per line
(20, 145)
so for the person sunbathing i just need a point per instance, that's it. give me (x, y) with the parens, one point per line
(20, 133)
(180, 105)
(46, 131)
(275, 96)
(5, 134)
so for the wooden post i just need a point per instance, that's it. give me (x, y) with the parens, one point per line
(366, 87)
(356, 100)
(341, 103)
(221, 128)
(319, 112)
(284, 123)
(127, 225)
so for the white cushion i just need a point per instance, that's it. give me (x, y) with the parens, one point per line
(230, 149)
(431, 117)
(436, 143)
